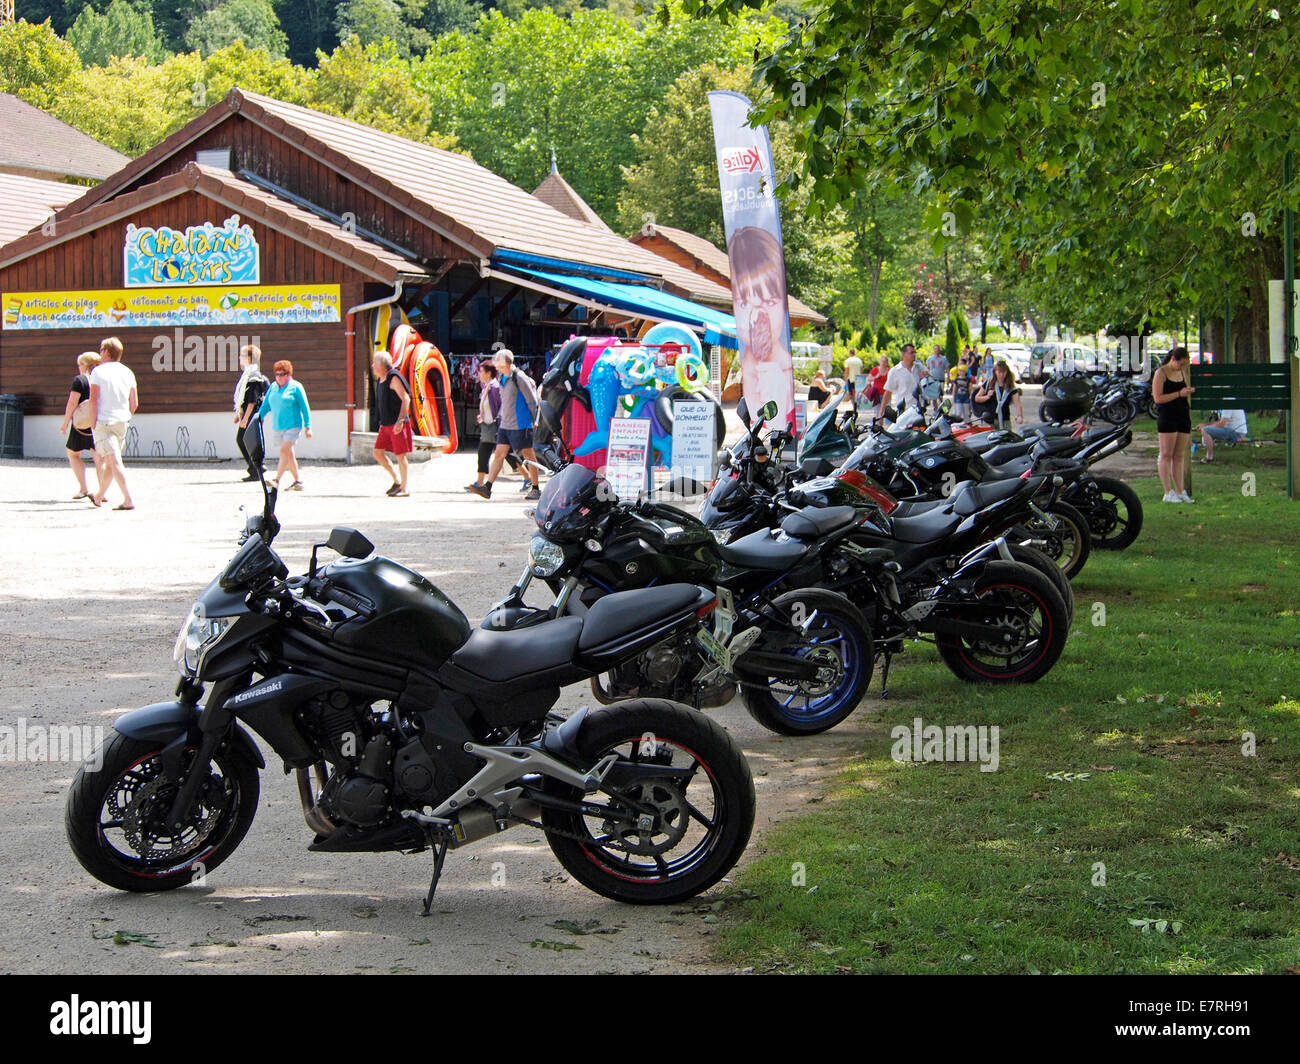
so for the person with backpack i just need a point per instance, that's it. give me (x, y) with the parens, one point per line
(249, 393)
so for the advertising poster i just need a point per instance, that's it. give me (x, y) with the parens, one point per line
(694, 450)
(127, 308)
(627, 466)
(755, 249)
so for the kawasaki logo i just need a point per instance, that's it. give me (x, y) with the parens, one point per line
(257, 692)
(741, 160)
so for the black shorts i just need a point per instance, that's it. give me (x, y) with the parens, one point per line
(1177, 420)
(79, 441)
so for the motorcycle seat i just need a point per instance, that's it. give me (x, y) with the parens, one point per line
(814, 521)
(763, 550)
(1010, 470)
(1006, 452)
(923, 528)
(611, 618)
(978, 496)
(507, 655)
(1057, 447)
(500, 656)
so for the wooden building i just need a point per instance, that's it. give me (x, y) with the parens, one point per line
(267, 222)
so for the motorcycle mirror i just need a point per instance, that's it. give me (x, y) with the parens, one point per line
(742, 412)
(945, 407)
(889, 414)
(350, 543)
(767, 411)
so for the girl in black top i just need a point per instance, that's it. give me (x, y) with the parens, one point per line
(78, 440)
(1172, 390)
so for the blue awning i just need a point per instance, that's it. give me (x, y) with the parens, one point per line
(719, 327)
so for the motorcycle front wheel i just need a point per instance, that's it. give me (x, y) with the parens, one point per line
(116, 817)
(1068, 544)
(1030, 606)
(700, 821)
(837, 638)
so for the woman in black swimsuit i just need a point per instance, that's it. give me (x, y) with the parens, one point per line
(79, 441)
(1172, 390)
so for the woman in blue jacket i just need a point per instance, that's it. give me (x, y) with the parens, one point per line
(286, 401)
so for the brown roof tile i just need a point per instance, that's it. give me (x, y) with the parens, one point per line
(555, 192)
(27, 202)
(35, 142)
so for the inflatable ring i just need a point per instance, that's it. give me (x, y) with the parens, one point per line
(692, 373)
(670, 332)
(638, 366)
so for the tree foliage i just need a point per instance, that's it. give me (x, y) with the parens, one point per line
(1130, 153)
(252, 22)
(123, 29)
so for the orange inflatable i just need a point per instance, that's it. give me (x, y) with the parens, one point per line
(401, 345)
(430, 383)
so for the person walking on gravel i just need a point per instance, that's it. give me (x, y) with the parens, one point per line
(286, 401)
(113, 399)
(393, 401)
(249, 393)
(515, 431)
(79, 439)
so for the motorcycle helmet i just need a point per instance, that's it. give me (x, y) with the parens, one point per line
(1066, 399)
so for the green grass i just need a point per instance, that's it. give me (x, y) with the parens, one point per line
(943, 868)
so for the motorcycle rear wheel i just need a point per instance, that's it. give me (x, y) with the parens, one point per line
(839, 635)
(1121, 522)
(705, 823)
(1032, 606)
(118, 808)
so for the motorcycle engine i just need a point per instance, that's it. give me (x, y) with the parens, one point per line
(660, 665)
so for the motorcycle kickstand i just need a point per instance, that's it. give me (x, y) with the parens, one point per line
(439, 839)
(884, 675)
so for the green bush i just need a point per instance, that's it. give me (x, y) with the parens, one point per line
(867, 339)
(883, 337)
(952, 340)
(963, 326)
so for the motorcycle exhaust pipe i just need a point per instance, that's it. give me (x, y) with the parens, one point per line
(316, 820)
(479, 822)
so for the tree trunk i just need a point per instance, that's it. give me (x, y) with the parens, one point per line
(1214, 336)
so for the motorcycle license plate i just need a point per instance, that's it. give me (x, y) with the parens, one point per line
(714, 649)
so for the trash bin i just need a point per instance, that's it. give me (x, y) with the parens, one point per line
(11, 426)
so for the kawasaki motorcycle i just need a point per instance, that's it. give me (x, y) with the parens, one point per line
(408, 730)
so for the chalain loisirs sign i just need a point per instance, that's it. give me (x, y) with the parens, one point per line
(128, 308)
(201, 255)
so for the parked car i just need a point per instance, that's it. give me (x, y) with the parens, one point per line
(1060, 356)
(1016, 355)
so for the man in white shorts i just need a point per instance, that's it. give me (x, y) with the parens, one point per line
(113, 399)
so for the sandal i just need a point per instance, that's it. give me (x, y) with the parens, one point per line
(83, 495)
(124, 507)
(1207, 461)
(296, 486)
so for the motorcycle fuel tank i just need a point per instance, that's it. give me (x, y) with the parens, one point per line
(402, 615)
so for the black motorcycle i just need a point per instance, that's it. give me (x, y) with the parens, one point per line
(801, 657)
(421, 733)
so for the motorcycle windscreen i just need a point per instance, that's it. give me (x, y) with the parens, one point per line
(567, 504)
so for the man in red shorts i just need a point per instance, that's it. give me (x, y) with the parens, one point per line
(393, 401)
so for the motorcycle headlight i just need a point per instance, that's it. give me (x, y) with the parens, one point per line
(198, 635)
(544, 557)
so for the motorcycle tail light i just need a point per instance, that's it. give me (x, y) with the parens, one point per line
(706, 609)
